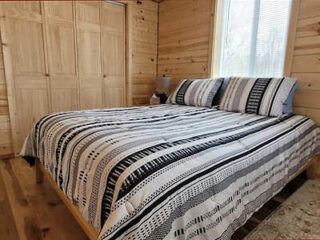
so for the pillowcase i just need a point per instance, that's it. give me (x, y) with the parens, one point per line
(263, 96)
(196, 92)
(288, 104)
(219, 95)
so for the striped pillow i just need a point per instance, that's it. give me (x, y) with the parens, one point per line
(263, 96)
(196, 92)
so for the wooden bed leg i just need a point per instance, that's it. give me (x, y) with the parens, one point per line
(313, 171)
(39, 173)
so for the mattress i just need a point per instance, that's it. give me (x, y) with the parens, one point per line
(169, 171)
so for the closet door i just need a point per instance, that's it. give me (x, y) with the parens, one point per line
(26, 69)
(89, 54)
(113, 49)
(60, 35)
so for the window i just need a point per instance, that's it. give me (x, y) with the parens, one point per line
(253, 37)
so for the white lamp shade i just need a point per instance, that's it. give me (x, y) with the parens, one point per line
(163, 84)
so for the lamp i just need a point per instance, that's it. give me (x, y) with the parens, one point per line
(163, 88)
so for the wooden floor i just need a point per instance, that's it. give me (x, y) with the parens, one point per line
(31, 212)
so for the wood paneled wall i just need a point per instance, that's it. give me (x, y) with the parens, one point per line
(305, 62)
(184, 49)
(174, 38)
(143, 33)
(5, 132)
(184, 38)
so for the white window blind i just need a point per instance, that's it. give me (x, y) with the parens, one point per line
(254, 37)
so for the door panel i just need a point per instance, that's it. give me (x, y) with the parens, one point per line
(89, 55)
(115, 93)
(113, 48)
(114, 97)
(32, 104)
(28, 53)
(61, 44)
(91, 98)
(113, 17)
(23, 31)
(61, 49)
(89, 13)
(28, 6)
(64, 99)
(60, 10)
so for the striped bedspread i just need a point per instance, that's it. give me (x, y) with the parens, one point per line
(169, 171)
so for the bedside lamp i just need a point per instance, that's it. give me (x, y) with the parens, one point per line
(163, 88)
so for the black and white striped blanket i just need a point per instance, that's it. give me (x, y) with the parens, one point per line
(169, 171)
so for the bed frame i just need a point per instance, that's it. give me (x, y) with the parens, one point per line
(312, 168)
(86, 226)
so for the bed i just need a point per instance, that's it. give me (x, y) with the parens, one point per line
(170, 171)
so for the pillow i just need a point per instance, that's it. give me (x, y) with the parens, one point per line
(219, 95)
(196, 92)
(288, 104)
(263, 96)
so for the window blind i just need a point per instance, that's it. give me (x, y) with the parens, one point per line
(254, 37)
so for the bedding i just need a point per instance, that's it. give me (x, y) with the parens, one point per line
(218, 97)
(196, 92)
(170, 171)
(287, 105)
(264, 96)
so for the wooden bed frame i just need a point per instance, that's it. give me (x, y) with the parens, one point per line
(312, 168)
(86, 226)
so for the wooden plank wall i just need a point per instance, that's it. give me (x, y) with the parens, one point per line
(184, 38)
(184, 49)
(306, 59)
(144, 51)
(5, 132)
(173, 38)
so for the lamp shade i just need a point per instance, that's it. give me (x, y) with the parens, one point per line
(163, 84)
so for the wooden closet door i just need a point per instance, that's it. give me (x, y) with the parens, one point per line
(25, 66)
(89, 54)
(60, 35)
(113, 49)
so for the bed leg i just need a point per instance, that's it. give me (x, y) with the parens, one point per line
(39, 173)
(313, 171)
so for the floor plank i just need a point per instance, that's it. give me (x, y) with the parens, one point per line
(7, 224)
(20, 208)
(38, 212)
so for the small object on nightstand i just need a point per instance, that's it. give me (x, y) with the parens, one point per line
(163, 88)
(154, 100)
